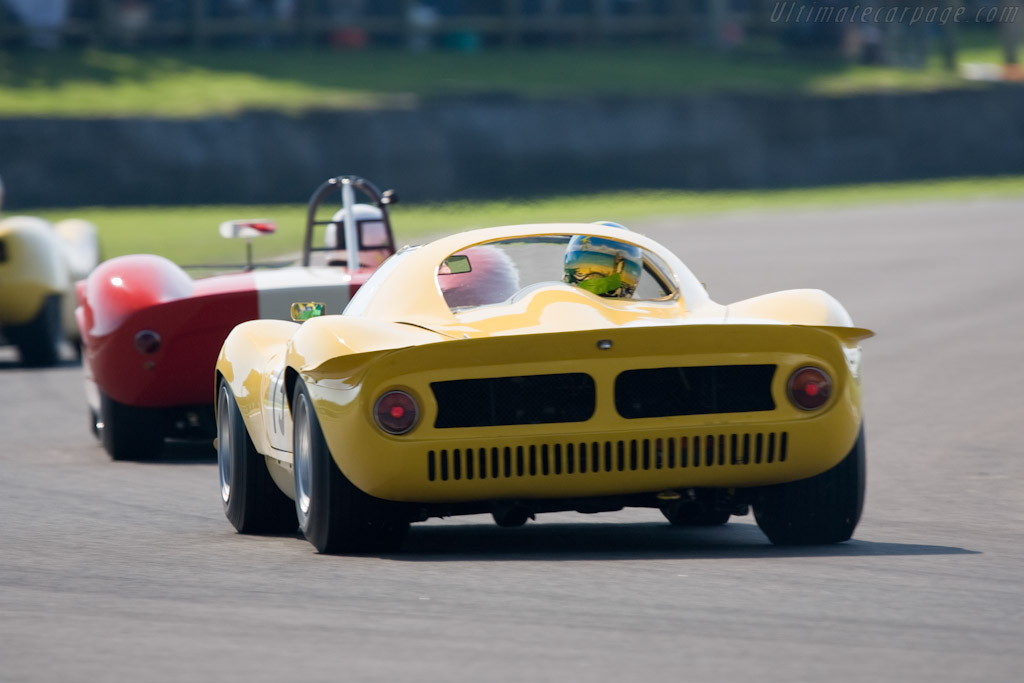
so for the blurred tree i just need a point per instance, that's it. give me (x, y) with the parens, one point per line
(1010, 34)
(42, 19)
(948, 32)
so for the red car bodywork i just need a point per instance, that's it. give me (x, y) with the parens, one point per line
(151, 334)
(111, 315)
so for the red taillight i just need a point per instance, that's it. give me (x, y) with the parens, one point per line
(147, 341)
(809, 388)
(396, 412)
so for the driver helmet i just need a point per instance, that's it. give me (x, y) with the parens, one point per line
(603, 266)
(361, 213)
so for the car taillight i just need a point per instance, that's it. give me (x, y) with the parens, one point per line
(809, 388)
(147, 341)
(395, 412)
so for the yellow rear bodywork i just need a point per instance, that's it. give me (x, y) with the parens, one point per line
(31, 268)
(348, 361)
(39, 260)
(558, 460)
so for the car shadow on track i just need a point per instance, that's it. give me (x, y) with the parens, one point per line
(618, 541)
(182, 452)
(13, 364)
(9, 359)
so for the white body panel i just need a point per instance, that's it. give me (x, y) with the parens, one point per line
(279, 289)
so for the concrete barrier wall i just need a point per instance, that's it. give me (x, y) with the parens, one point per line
(456, 148)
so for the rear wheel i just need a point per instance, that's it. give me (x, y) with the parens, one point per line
(130, 432)
(819, 510)
(252, 502)
(334, 515)
(38, 341)
(511, 515)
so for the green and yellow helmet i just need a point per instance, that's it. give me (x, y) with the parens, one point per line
(603, 266)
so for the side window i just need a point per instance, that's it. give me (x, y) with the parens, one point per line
(653, 283)
(478, 276)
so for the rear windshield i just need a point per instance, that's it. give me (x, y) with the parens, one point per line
(495, 272)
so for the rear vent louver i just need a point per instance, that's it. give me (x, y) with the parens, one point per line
(580, 458)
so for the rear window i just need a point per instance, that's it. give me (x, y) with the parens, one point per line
(495, 272)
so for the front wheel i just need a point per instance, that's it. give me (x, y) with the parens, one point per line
(94, 423)
(129, 432)
(38, 340)
(252, 502)
(822, 509)
(334, 515)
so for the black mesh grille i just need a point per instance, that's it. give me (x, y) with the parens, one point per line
(699, 451)
(529, 399)
(661, 392)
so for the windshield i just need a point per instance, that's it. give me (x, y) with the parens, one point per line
(495, 272)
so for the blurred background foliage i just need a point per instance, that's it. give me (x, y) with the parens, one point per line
(189, 83)
(197, 58)
(189, 234)
(200, 57)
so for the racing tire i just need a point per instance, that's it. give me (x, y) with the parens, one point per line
(334, 515)
(816, 511)
(511, 516)
(252, 501)
(38, 341)
(691, 515)
(129, 432)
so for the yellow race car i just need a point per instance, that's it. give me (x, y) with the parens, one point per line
(535, 368)
(39, 264)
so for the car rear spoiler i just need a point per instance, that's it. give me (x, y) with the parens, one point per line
(848, 336)
(689, 343)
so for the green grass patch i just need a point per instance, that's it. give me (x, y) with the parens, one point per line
(189, 235)
(192, 83)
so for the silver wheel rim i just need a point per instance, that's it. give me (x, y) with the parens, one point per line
(224, 446)
(303, 458)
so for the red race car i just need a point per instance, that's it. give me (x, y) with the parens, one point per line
(151, 334)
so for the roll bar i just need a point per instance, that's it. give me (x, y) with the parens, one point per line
(347, 186)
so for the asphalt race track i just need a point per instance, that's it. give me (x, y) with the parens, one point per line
(130, 572)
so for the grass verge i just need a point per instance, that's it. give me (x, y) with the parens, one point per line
(193, 83)
(189, 234)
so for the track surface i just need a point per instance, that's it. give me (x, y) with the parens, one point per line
(129, 571)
